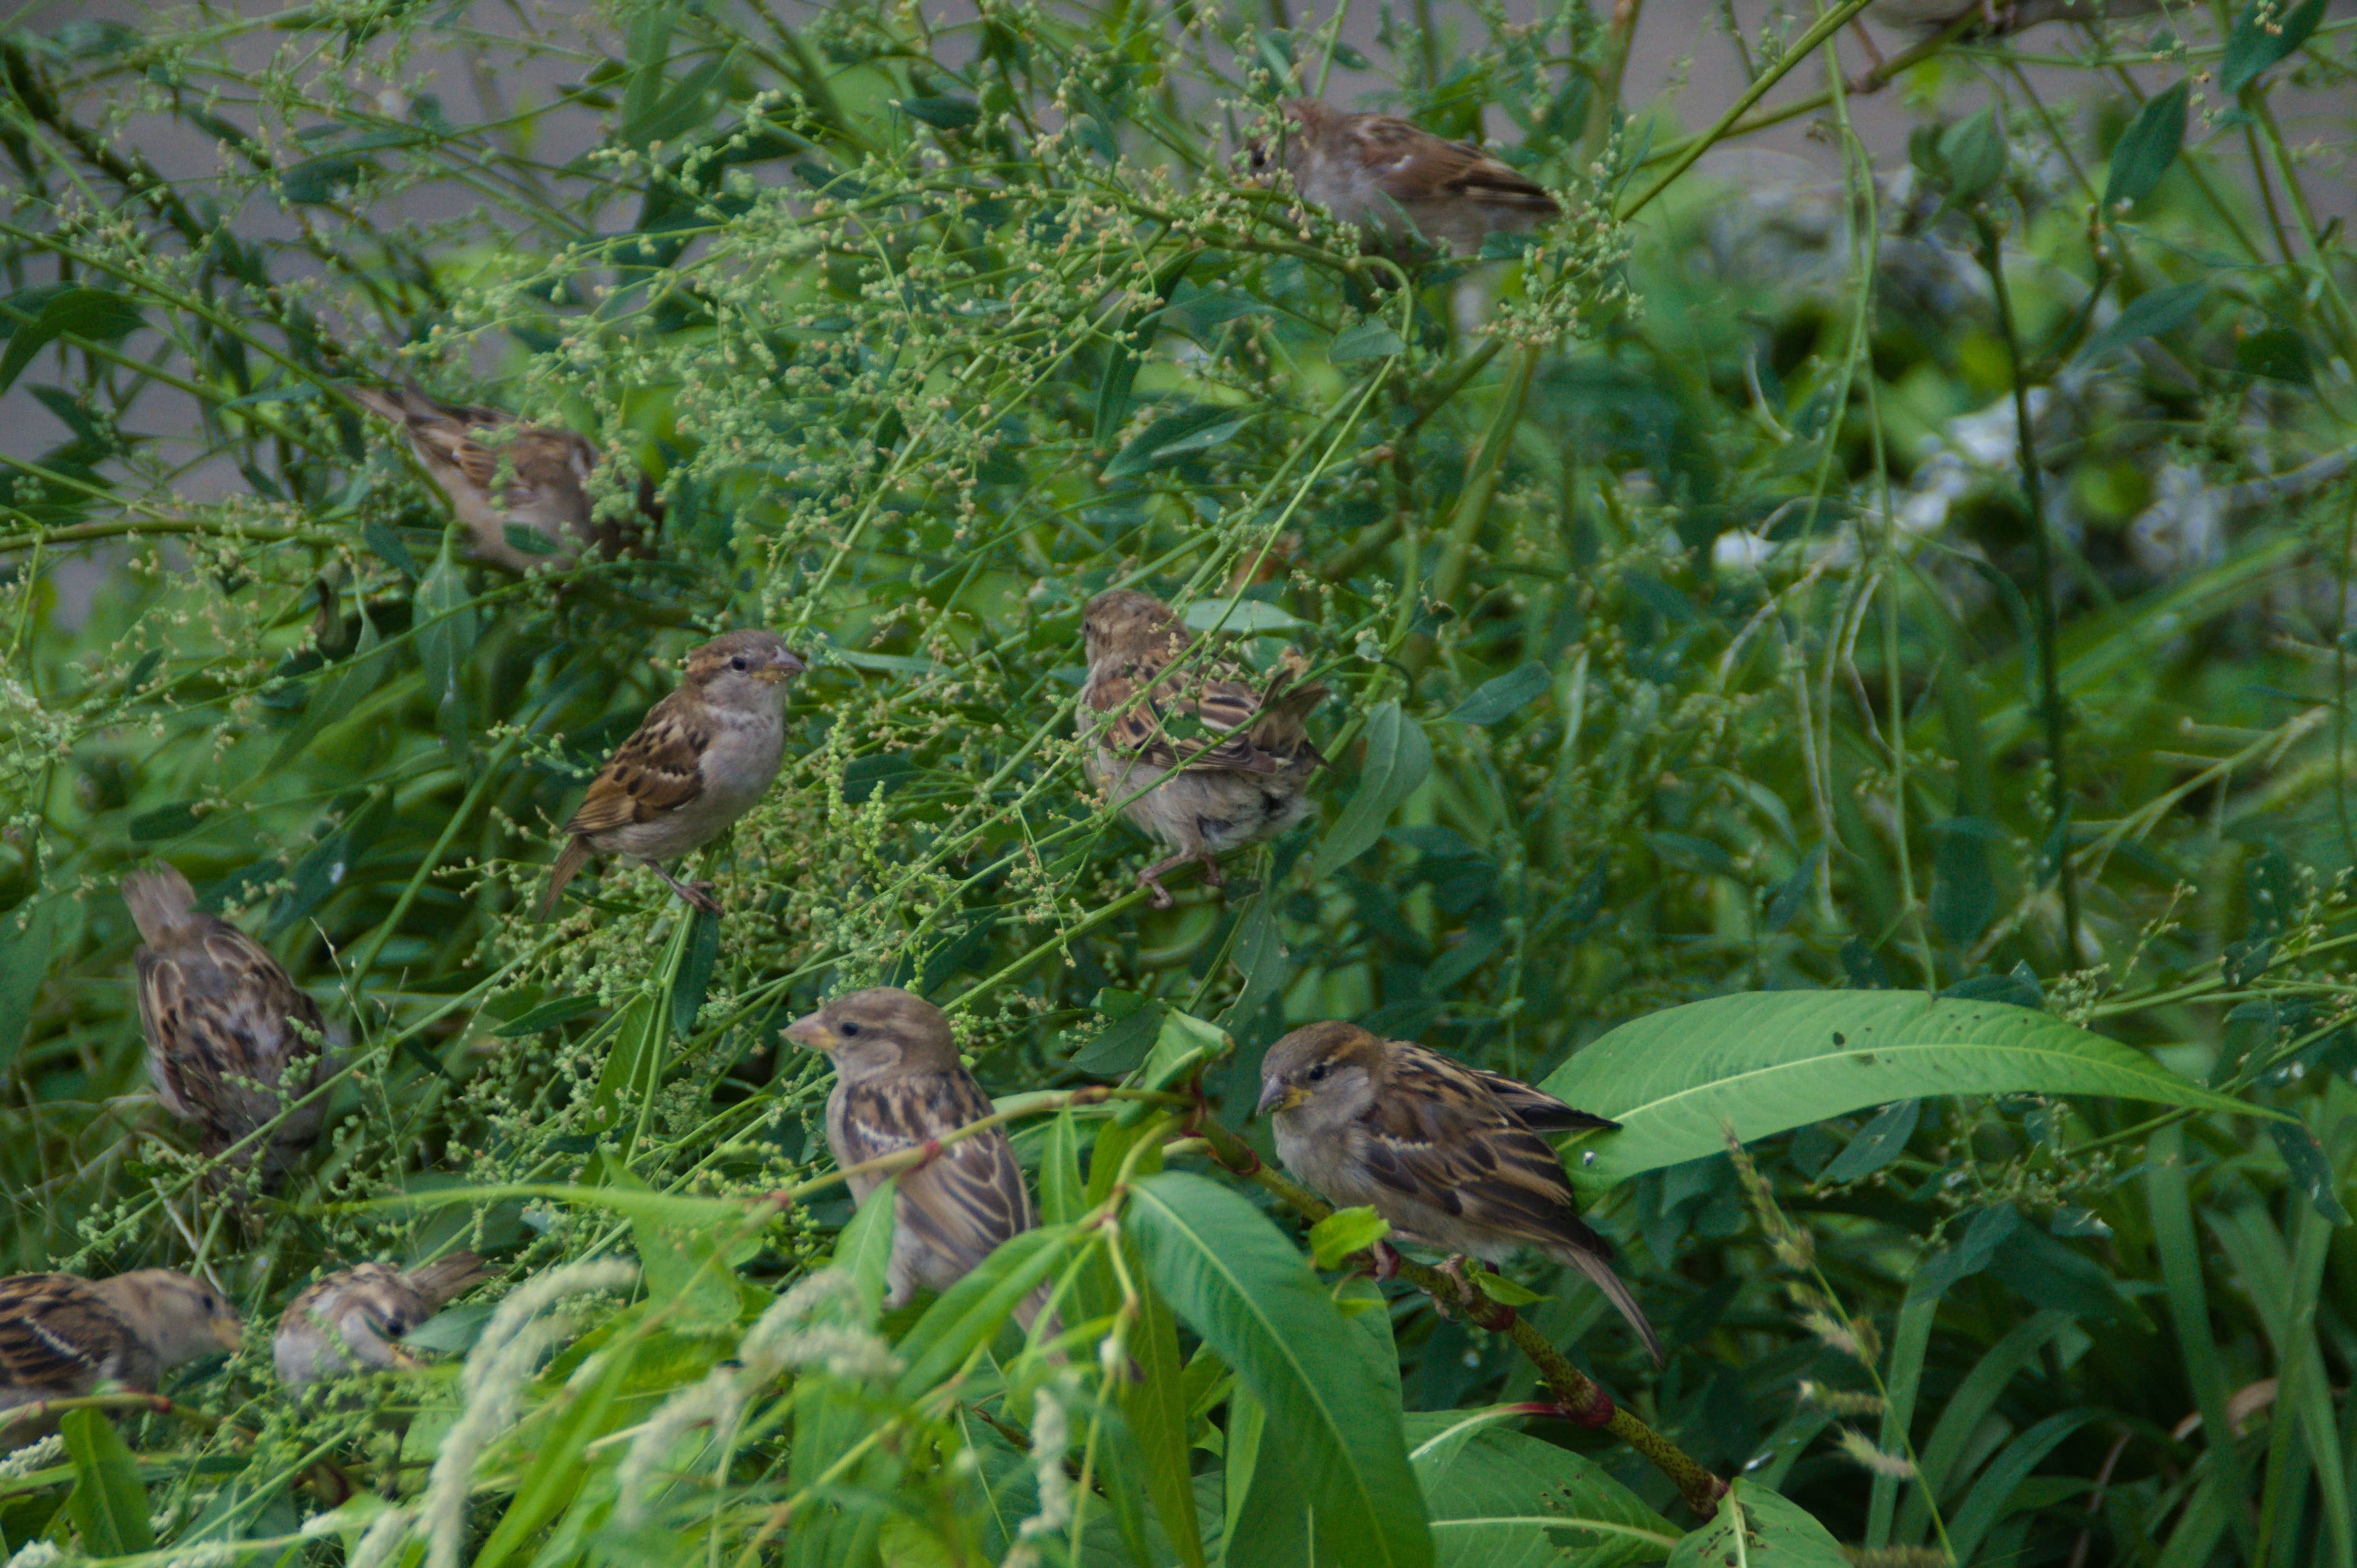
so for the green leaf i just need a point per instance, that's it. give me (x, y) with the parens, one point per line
(1771, 1061)
(2278, 353)
(863, 1251)
(547, 1015)
(445, 641)
(695, 975)
(553, 1478)
(944, 113)
(1239, 615)
(970, 1313)
(108, 1504)
(1259, 960)
(1184, 1043)
(1121, 1047)
(1493, 699)
(1877, 1144)
(165, 822)
(98, 315)
(1773, 1533)
(389, 548)
(2148, 147)
(2264, 34)
(1345, 1231)
(2161, 311)
(1500, 1498)
(525, 541)
(1174, 436)
(1242, 1287)
(676, 111)
(1499, 1289)
(2312, 1174)
(1398, 757)
(1964, 897)
(1369, 339)
(24, 963)
(1973, 152)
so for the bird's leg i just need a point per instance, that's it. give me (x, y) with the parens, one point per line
(1213, 877)
(698, 894)
(1494, 1315)
(1387, 1261)
(1152, 877)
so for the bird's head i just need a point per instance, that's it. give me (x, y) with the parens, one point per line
(1126, 623)
(180, 1317)
(744, 669)
(879, 1030)
(1320, 1069)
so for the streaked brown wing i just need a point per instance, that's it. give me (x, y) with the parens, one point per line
(57, 1334)
(1223, 705)
(1437, 1135)
(963, 1203)
(655, 771)
(1538, 1111)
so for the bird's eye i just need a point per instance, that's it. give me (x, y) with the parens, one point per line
(1321, 1071)
(737, 662)
(847, 1028)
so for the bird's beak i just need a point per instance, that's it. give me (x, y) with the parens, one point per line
(1278, 1097)
(230, 1333)
(811, 1033)
(784, 665)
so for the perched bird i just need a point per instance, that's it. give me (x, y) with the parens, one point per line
(1451, 1155)
(698, 761)
(1396, 181)
(231, 1039)
(1238, 779)
(60, 1337)
(898, 1085)
(545, 493)
(347, 1322)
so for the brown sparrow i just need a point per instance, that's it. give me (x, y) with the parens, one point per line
(699, 760)
(347, 1322)
(1396, 181)
(60, 1335)
(1451, 1155)
(546, 489)
(226, 1027)
(1240, 782)
(898, 1085)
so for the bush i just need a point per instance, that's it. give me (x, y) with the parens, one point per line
(1937, 862)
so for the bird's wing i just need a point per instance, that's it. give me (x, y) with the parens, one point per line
(1415, 165)
(963, 1203)
(1437, 1134)
(218, 1009)
(1198, 716)
(1538, 1111)
(57, 1334)
(657, 771)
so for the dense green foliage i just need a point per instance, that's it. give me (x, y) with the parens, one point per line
(1695, 639)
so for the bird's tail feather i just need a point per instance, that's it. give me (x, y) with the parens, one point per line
(1599, 1272)
(575, 855)
(160, 900)
(447, 1276)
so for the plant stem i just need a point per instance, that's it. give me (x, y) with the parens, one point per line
(2049, 674)
(1473, 506)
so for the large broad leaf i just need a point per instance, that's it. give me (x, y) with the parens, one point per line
(1775, 1533)
(2148, 147)
(1398, 757)
(1233, 1279)
(1499, 1499)
(1769, 1062)
(108, 1504)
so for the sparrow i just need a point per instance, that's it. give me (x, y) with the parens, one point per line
(230, 1038)
(545, 492)
(699, 760)
(61, 1336)
(898, 1085)
(1396, 181)
(1241, 779)
(1451, 1155)
(347, 1322)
